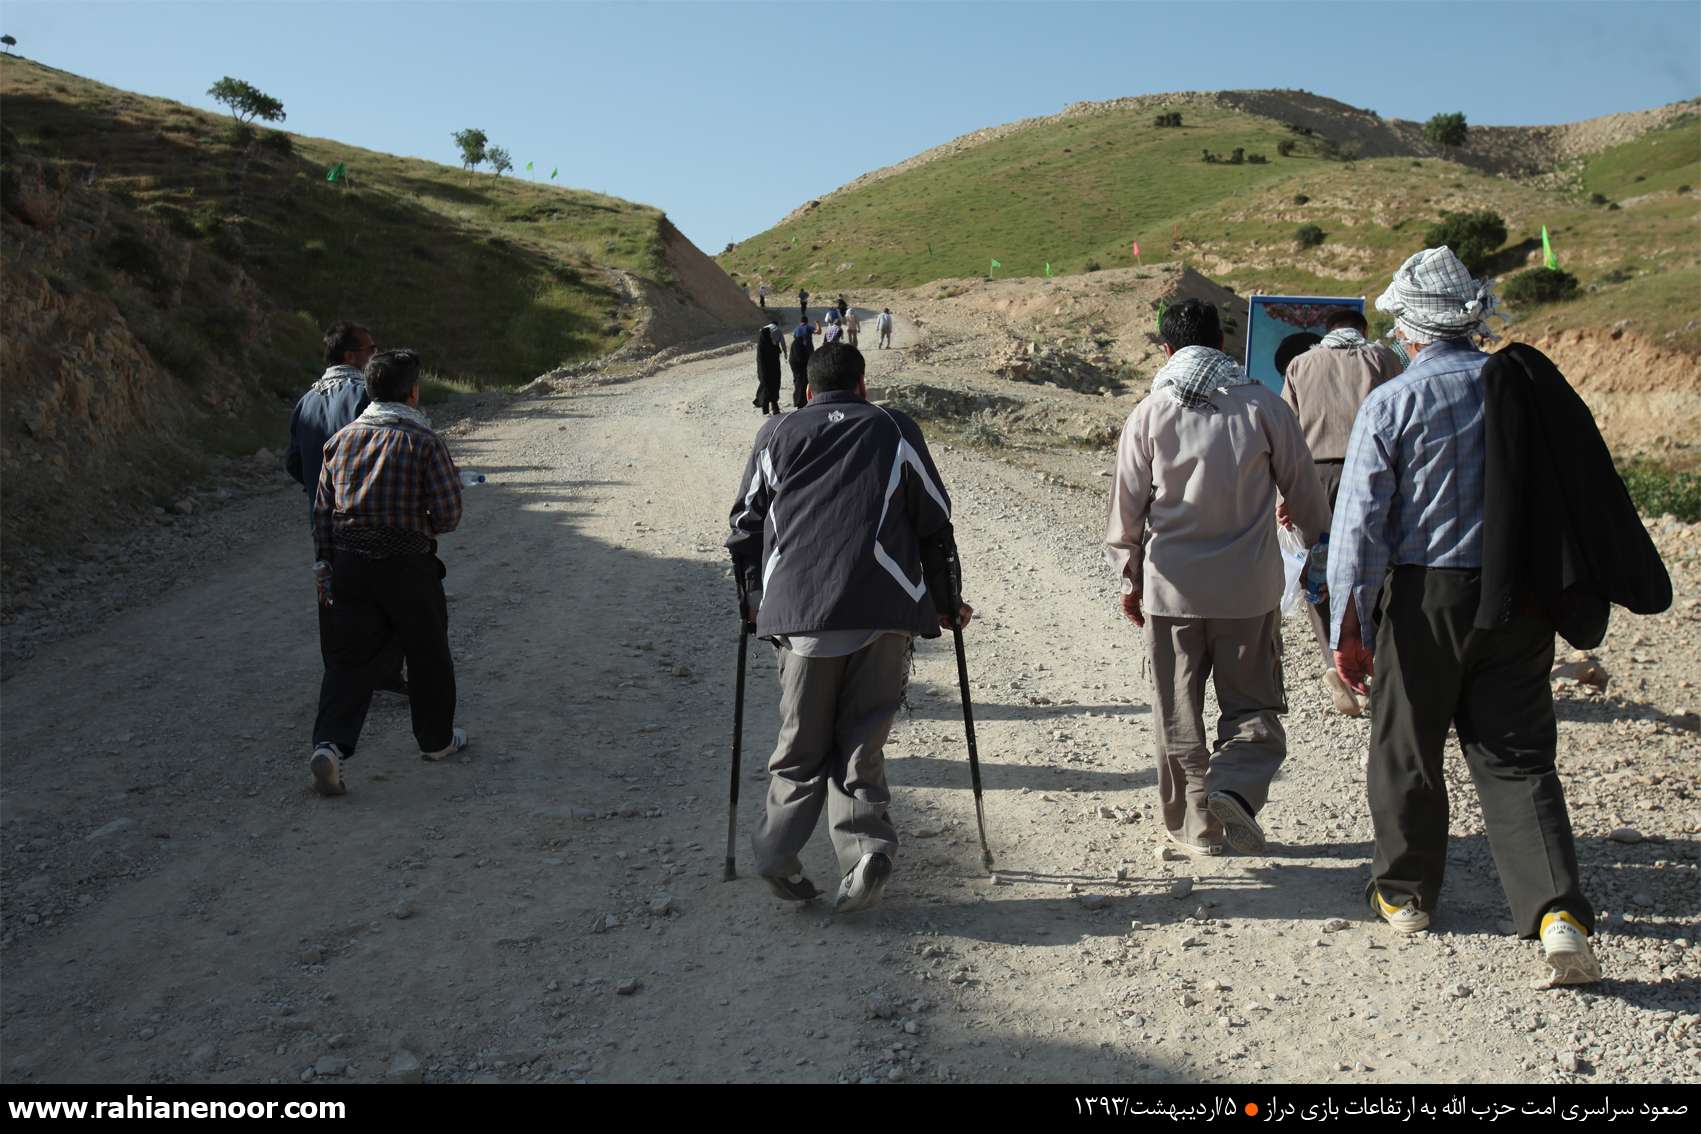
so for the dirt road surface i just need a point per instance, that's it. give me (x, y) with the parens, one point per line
(178, 905)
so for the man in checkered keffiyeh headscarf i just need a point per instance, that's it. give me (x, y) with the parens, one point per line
(1192, 538)
(1433, 297)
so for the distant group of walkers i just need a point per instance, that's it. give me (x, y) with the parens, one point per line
(840, 324)
(1467, 506)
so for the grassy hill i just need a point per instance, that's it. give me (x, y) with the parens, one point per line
(167, 277)
(1076, 188)
(493, 279)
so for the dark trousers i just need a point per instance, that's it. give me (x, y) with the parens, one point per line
(799, 382)
(1434, 669)
(380, 604)
(389, 670)
(1329, 473)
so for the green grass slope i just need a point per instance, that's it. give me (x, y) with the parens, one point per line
(1076, 190)
(495, 280)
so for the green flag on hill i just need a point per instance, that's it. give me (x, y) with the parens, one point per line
(1548, 257)
(1048, 269)
(336, 172)
(528, 167)
(995, 266)
(553, 172)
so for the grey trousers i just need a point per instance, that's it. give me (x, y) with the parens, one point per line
(1243, 657)
(835, 715)
(1434, 668)
(1329, 472)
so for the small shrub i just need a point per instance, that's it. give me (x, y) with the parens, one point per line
(1613, 207)
(278, 142)
(1658, 491)
(1309, 236)
(1597, 198)
(1169, 119)
(1208, 157)
(1300, 199)
(1540, 285)
(982, 430)
(1286, 147)
(1473, 237)
(1618, 276)
(1685, 189)
(1237, 155)
(1091, 266)
(1447, 130)
(1257, 159)
(1639, 177)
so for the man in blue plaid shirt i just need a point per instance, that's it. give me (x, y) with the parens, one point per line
(1405, 567)
(387, 489)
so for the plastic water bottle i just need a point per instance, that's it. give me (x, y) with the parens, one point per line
(471, 479)
(1317, 571)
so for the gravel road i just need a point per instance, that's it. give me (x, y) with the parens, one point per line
(179, 906)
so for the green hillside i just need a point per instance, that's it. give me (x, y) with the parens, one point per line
(1075, 191)
(494, 279)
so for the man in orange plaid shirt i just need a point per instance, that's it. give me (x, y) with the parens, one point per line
(387, 489)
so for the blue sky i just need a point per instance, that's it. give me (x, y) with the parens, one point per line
(728, 115)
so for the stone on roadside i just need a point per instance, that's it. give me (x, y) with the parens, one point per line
(330, 1066)
(312, 956)
(661, 906)
(406, 907)
(1094, 901)
(628, 986)
(1459, 991)
(1585, 671)
(1625, 835)
(1181, 887)
(1336, 924)
(404, 1068)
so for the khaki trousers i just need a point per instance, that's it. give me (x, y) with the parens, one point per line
(1242, 656)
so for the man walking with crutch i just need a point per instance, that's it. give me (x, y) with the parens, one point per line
(842, 543)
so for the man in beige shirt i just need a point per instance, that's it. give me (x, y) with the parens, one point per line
(1325, 386)
(1192, 536)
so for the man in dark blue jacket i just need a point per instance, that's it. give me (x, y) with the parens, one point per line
(337, 398)
(841, 542)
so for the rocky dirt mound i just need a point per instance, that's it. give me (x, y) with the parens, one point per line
(703, 301)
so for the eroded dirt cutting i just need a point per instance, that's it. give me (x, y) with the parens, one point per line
(180, 906)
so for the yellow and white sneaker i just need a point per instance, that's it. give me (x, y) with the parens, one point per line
(1407, 918)
(1565, 948)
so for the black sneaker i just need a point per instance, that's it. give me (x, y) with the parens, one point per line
(864, 884)
(797, 888)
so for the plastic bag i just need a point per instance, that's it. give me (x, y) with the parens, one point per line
(1294, 557)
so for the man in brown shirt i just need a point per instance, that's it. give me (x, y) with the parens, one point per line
(1325, 386)
(1192, 536)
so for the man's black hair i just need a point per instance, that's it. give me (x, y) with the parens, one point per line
(1192, 322)
(1347, 317)
(1292, 347)
(341, 339)
(392, 375)
(834, 367)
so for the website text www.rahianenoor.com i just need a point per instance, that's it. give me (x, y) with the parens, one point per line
(149, 1107)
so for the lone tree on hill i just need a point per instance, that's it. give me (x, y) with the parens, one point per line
(246, 101)
(9, 42)
(472, 142)
(1473, 237)
(1447, 130)
(498, 159)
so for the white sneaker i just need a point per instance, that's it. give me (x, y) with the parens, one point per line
(457, 741)
(864, 884)
(1343, 699)
(327, 768)
(1565, 948)
(1239, 827)
(1197, 850)
(1407, 918)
